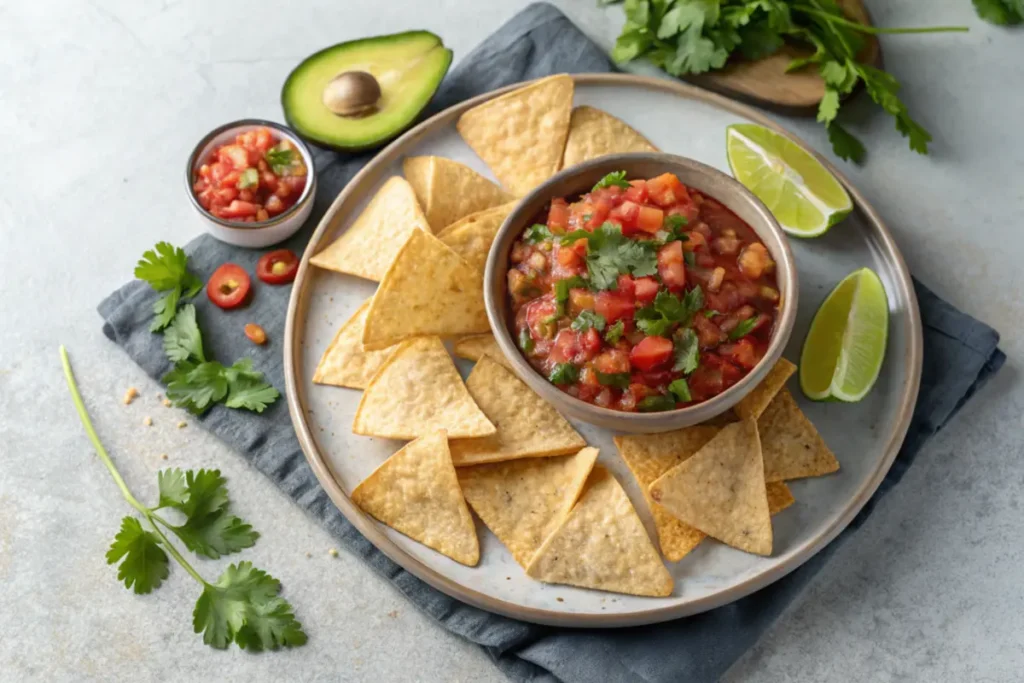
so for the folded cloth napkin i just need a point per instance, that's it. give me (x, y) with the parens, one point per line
(960, 354)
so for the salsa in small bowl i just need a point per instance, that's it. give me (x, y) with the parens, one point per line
(637, 294)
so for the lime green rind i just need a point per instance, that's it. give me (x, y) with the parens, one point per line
(803, 195)
(845, 346)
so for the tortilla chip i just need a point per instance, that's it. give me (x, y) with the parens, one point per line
(649, 456)
(472, 236)
(475, 346)
(521, 135)
(428, 290)
(416, 392)
(720, 490)
(416, 492)
(602, 544)
(753, 404)
(594, 133)
(345, 363)
(523, 501)
(791, 445)
(527, 425)
(371, 243)
(449, 191)
(779, 497)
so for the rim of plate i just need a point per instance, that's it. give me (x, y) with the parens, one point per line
(373, 531)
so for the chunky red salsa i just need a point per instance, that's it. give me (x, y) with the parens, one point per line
(251, 179)
(642, 295)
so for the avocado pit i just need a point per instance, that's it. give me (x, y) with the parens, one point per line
(352, 93)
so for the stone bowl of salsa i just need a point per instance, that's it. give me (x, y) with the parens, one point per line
(252, 182)
(641, 292)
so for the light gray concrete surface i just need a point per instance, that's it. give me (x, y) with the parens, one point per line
(100, 102)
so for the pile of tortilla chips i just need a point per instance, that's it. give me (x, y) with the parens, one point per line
(489, 443)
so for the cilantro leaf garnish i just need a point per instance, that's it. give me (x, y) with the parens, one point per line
(562, 288)
(588, 319)
(526, 340)
(680, 390)
(280, 159)
(244, 606)
(564, 373)
(690, 258)
(672, 230)
(743, 328)
(615, 178)
(165, 268)
(693, 36)
(619, 380)
(182, 339)
(249, 392)
(615, 332)
(1001, 12)
(656, 404)
(196, 386)
(667, 310)
(145, 564)
(538, 232)
(686, 351)
(610, 254)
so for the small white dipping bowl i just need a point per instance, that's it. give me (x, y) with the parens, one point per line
(263, 233)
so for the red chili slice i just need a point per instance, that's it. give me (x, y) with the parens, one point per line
(278, 267)
(228, 286)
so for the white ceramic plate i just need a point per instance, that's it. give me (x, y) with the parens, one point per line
(690, 122)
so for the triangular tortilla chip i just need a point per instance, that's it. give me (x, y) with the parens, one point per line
(428, 290)
(649, 456)
(779, 497)
(720, 490)
(527, 425)
(471, 237)
(521, 135)
(449, 191)
(475, 346)
(416, 392)
(753, 404)
(416, 492)
(791, 445)
(345, 363)
(371, 243)
(602, 544)
(594, 133)
(523, 501)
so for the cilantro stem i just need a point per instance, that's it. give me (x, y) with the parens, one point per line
(877, 30)
(90, 431)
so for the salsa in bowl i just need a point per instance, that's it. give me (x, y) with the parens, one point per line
(642, 291)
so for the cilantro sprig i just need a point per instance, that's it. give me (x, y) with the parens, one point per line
(244, 605)
(660, 317)
(196, 383)
(613, 179)
(165, 268)
(694, 36)
(1001, 12)
(610, 254)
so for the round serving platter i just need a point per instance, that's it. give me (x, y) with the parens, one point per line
(865, 436)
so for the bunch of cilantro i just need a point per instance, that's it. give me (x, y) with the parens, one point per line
(195, 383)
(693, 36)
(244, 605)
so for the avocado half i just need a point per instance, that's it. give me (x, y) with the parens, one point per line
(408, 67)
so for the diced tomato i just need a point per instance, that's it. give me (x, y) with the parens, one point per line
(650, 219)
(657, 378)
(637, 191)
(239, 209)
(219, 170)
(568, 257)
(589, 343)
(263, 139)
(614, 306)
(277, 267)
(666, 190)
(671, 267)
(613, 361)
(558, 215)
(626, 286)
(229, 286)
(599, 211)
(742, 353)
(580, 300)
(627, 214)
(539, 310)
(709, 334)
(651, 353)
(646, 288)
(235, 155)
(705, 382)
(274, 205)
(566, 347)
(694, 241)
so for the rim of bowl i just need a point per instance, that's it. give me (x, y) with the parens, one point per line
(293, 137)
(715, 406)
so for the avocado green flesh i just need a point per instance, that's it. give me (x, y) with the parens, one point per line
(408, 66)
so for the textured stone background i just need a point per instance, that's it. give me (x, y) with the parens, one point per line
(101, 102)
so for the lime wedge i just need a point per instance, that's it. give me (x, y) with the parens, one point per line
(805, 198)
(845, 346)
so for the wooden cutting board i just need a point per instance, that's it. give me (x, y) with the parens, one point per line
(765, 82)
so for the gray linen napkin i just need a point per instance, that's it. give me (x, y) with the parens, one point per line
(960, 354)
